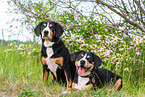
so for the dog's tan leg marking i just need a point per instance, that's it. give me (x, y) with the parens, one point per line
(67, 91)
(46, 76)
(69, 83)
(59, 61)
(89, 87)
(46, 72)
(43, 60)
(73, 85)
(117, 84)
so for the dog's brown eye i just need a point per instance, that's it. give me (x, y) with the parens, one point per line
(52, 28)
(89, 59)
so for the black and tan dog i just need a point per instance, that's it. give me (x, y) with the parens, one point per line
(89, 76)
(55, 56)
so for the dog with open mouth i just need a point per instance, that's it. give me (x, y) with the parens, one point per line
(89, 76)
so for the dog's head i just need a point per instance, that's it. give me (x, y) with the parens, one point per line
(85, 62)
(48, 29)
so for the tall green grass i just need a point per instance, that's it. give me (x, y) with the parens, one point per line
(21, 75)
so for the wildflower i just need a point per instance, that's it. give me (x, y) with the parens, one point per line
(100, 50)
(126, 69)
(29, 53)
(21, 45)
(107, 52)
(84, 45)
(118, 54)
(122, 41)
(34, 49)
(138, 53)
(117, 63)
(9, 49)
(77, 35)
(11, 44)
(121, 49)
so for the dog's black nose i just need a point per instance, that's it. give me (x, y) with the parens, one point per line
(45, 32)
(82, 62)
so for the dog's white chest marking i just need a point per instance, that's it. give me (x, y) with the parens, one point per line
(81, 83)
(49, 52)
(50, 61)
(52, 65)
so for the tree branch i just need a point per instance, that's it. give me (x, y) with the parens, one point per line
(134, 23)
(109, 27)
(137, 3)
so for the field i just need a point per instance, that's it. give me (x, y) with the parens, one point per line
(21, 75)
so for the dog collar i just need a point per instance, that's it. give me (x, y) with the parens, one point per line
(87, 76)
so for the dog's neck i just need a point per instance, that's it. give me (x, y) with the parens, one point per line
(48, 43)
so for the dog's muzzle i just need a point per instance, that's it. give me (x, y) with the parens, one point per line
(46, 33)
(82, 62)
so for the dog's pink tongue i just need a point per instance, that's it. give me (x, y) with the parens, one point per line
(81, 71)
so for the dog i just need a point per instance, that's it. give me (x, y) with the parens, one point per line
(89, 76)
(55, 56)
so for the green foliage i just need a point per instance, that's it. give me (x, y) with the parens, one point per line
(30, 93)
(21, 69)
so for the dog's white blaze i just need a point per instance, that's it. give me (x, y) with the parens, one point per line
(84, 58)
(48, 29)
(81, 83)
(51, 61)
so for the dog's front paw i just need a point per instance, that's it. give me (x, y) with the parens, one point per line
(66, 91)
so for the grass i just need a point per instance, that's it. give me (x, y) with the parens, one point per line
(21, 75)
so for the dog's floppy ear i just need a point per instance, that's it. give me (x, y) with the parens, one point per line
(97, 60)
(75, 55)
(58, 30)
(37, 29)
